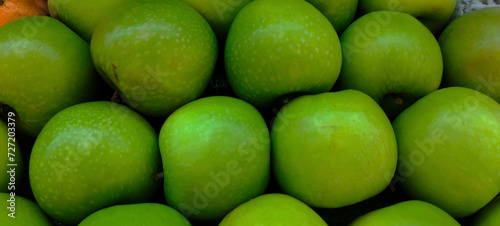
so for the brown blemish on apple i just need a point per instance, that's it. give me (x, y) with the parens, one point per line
(114, 72)
(158, 176)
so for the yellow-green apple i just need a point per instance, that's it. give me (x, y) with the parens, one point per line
(391, 57)
(20, 211)
(83, 17)
(136, 214)
(333, 149)
(434, 14)
(216, 156)
(11, 159)
(158, 54)
(45, 67)
(90, 156)
(413, 212)
(339, 12)
(219, 14)
(279, 47)
(489, 215)
(449, 151)
(471, 52)
(272, 209)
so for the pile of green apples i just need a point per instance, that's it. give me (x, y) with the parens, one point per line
(241, 112)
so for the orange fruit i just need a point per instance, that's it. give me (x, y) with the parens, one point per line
(15, 9)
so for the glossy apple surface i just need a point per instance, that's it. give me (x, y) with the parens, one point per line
(391, 57)
(158, 54)
(340, 13)
(434, 14)
(90, 156)
(83, 17)
(333, 149)
(26, 212)
(136, 214)
(45, 67)
(471, 52)
(216, 156)
(448, 150)
(413, 212)
(272, 209)
(280, 47)
(219, 14)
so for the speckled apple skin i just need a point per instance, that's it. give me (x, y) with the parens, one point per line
(27, 213)
(90, 156)
(433, 14)
(333, 149)
(273, 209)
(219, 14)
(340, 13)
(279, 47)
(390, 53)
(84, 16)
(412, 212)
(136, 214)
(471, 52)
(214, 135)
(159, 54)
(457, 169)
(45, 67)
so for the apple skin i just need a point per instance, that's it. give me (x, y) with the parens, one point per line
(158, 54)
(471, 52)
(26, 213)
(413, 212)
(333, 149)
(280, 47)
(340, 13)
(219, 14)
(391, 57)
(216, 156)
(433, 14)
(136, 214)
(45, 68)
(90, 156)
(83, 17)
(448, 150)
(4, 160)
(273, 209)
(489, 215)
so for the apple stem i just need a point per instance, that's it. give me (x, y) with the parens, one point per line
(398, 101)
(158, 176)
(114, 98)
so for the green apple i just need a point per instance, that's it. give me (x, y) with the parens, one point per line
(90, 156)
(279, 47)
(83, 17)
(333, 149)
(471, 52)
(136, 214)
(216, 156)
(449, 150)
(219, 14)
(391, 57)
(20, 211)
(158, 54)
(489, 215)
(11, 159)
(45, 67)
(413, 212)
(273, 209)
(339, 12)
(434, 14)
